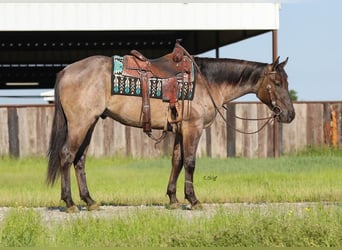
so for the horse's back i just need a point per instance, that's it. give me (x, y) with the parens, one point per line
(83, 85)
(90, 65)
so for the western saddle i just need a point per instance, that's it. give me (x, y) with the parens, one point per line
(170, 67)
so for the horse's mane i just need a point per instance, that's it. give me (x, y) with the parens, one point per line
(233, 71)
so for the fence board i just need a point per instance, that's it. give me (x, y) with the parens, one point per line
(263, 139)
(314, 124)
(13, 130)
(295, 134)
(202, 145)
(4, 141)
(238, 136)
(28, 138)
(231, 135)
(218, 133)
(252, 126)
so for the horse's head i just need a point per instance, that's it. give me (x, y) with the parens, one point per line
(273, 91)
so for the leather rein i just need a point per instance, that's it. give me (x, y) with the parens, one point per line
(275, 108)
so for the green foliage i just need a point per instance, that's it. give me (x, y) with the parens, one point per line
(293, 95)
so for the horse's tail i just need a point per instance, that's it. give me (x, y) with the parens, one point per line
(58, 137)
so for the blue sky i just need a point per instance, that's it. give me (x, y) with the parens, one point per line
(310, 34)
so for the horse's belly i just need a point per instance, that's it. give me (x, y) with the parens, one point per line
(128, 111)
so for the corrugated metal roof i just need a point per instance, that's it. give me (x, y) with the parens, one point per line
(36, 39)
(138, 16)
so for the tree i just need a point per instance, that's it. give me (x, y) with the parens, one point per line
(293, 95)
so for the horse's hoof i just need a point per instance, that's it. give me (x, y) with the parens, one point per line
(73, 209)
(197, 206)
(93, 207)
(175, 205)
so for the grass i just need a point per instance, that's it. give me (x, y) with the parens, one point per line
(312, 175)
(21, 228)
(311, 226)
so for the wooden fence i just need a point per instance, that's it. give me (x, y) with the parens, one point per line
(25, 130)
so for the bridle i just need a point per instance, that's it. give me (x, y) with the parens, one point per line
(275, 108)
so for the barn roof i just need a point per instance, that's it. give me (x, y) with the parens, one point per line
(38, 39)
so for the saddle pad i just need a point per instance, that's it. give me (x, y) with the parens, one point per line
(131, 86)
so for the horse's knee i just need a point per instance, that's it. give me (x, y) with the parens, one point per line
(189, 165)
(190, 161)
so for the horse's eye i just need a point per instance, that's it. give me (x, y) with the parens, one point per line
(277, 84)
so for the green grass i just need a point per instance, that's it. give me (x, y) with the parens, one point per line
(310, 226)
(21, 228)
(312, 175)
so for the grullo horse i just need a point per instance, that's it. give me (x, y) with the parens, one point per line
(83, 95)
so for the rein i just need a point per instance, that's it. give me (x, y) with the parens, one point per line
(277, 111)
(268, 120)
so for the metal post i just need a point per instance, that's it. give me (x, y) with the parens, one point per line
(217, 49)
(208, 130)
(276, 151)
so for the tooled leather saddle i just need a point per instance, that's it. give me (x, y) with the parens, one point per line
(169, 78)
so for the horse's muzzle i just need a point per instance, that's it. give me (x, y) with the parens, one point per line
(286, 117)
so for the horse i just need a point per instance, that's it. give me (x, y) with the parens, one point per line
(83, 96)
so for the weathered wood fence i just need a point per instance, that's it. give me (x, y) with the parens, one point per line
(25, 130)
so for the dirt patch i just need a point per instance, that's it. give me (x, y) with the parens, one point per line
(59, 214)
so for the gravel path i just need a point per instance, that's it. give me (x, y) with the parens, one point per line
(59, 214)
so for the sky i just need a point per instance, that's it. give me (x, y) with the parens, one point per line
(310, 34)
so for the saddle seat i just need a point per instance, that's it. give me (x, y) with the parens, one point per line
(167, 66)
(163, 67)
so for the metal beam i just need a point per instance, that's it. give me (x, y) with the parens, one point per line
(276, 124)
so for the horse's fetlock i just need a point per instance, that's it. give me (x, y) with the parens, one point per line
(189, 195)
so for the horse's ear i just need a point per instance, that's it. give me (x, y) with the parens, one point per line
(283, 64)
(275, 64)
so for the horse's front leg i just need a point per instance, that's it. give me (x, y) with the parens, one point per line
(177, 164)
(82, 183)
(190, 142)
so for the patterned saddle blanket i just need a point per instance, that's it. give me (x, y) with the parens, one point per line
(161, 88)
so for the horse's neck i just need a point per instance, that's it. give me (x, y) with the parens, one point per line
(231, 79)
(231, 92)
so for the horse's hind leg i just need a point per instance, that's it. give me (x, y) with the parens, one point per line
(66, 160)
(177, 164)
(82, 183)
(79, 164)
(73, 151)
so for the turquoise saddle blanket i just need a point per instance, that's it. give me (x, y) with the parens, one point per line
(131, 86)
